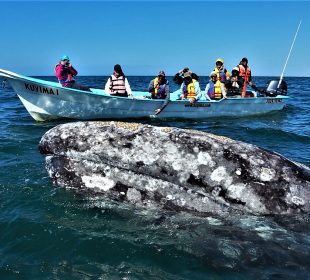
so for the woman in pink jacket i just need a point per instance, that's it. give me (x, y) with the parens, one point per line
(65, 74)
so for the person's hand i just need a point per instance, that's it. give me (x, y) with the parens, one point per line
(192, 100)
(157, 111)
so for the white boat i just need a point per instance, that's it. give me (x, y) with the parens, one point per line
(45, 100)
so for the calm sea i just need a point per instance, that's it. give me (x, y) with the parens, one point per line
(50, 233)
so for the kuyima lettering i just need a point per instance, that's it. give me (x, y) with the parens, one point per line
(274, 101)
(195, 105)
(40, 89)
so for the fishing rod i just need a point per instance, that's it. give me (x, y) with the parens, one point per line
(289, 54)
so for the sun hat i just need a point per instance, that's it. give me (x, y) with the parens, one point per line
(161, 73)
(220, 60)
(213, 73)
(64, 57)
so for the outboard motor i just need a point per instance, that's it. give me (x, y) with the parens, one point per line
(274, 89)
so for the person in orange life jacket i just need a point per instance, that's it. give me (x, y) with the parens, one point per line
(245, 75)
(215, 89)
(66, 74)
(222, 73)
(190, 89)
(159, 88)
(117, 84)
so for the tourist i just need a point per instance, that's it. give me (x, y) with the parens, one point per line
(178, 77)
(245, 75)
(117, 84)
(234, 84)
(66, 74)
(215, 89)
(159, 89)
(190, 89)
(222, 73)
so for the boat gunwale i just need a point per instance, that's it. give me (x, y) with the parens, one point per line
(12, 75)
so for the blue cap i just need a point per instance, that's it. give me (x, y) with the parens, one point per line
(64, 57)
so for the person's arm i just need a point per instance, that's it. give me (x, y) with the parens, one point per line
(128, 89)
(107, 86)
(59, 71)
(72, 70)
(250, 78)
(167, 89)
(198, 91)
(167, 99)
(151, 86)
(223, 91)
(206, 92)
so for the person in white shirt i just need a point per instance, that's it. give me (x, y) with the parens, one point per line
(117, 84)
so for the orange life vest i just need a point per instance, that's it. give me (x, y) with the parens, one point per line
(244, 73)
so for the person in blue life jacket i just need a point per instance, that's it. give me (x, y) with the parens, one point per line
(159, 89)
(215, 89)
(66, 74)
(190, 89)
(222, 73)
(117, 84)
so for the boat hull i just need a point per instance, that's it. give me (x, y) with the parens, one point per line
(48, 100)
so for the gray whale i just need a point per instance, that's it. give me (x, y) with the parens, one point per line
(175, 169)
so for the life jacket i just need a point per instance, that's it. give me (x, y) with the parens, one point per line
(221, 73)
(215, 91)
(189, 90)
(159, 90)
(67, 78)
(118, 85)
(244, 73)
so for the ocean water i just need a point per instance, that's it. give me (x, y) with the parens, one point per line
(50, 233)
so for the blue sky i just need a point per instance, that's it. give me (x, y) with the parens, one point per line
(145, 36)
